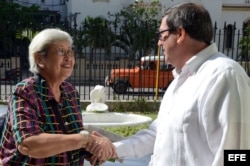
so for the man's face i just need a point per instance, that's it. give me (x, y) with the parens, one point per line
(167, 41)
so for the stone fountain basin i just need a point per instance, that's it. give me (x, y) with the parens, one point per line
(113, 119)
(109, 119)
(3, 109)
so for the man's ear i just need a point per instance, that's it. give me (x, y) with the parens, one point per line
(181, 33)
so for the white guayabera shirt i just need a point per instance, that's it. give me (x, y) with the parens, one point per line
(205, 110)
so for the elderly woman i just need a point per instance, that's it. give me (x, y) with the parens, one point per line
(44, 125)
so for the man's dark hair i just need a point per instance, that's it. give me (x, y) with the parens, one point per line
(194, 18)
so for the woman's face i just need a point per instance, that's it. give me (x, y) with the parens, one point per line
(58, 64)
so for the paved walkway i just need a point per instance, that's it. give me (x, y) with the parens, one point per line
(128, 162)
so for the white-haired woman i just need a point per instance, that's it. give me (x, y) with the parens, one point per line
(44, 125)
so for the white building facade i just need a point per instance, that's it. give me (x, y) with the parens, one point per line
(227, 14)
(229, 11)
(221, 11)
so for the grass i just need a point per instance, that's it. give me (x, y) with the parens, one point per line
(127, 131)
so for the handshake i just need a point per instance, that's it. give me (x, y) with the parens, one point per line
(101, 149)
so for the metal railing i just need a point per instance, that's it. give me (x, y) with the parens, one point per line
(93, 64)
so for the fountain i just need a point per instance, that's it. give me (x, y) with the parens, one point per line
(113, 119)
(97, 113)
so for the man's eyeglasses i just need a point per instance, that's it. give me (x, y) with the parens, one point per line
(63, 52)
(160, 32)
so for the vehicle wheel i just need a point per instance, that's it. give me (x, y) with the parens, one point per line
(120, 87)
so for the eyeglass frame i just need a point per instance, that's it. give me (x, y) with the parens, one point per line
(63, 52)
(160, 32)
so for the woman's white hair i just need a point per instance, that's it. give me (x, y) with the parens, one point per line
(42, 41)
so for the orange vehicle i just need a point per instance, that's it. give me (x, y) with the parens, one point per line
(143, 76)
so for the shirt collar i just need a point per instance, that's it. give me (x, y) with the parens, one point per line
(44, 87)
(193, 64)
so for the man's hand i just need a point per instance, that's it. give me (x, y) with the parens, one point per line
(94, 161)
(101, 147)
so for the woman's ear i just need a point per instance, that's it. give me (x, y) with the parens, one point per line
(39, 60)
(41, 65)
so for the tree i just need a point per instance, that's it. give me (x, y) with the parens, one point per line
(244, 44)
(137, 24)
(14, 19)
(97, 33)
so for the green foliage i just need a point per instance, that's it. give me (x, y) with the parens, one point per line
(137, 23)
(127, 131)
(14, 19)
(146, 11)
(96, 33)
(13, 13)
(143, 106)
(244, 44)
(140, 105)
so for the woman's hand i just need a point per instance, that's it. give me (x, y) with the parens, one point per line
(100, 146)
